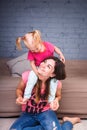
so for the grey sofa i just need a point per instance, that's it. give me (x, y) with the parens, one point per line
(74, 92)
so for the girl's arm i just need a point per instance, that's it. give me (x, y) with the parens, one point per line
(58, 51)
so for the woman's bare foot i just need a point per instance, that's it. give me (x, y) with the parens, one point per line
(73, 120)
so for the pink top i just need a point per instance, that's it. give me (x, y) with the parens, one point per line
(40, 56)
(46, 107)
(42, 105)
(25, 79)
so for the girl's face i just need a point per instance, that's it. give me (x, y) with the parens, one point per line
(35, 48)
(46, 68)
(29, 43)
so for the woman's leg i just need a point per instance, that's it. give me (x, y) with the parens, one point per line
(49, 121)
(74, 120)
(69, 122)
(38, 127)
(25, 120)
(67, 125)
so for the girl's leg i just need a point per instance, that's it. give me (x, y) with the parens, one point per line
(25, 120)
(53, 88)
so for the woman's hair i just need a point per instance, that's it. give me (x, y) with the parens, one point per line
(36, 34)
(60, 74)
(38, 89)
(59, 69)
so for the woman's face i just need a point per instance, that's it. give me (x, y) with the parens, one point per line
(46, 68)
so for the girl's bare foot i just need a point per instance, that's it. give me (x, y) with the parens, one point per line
(73, 120)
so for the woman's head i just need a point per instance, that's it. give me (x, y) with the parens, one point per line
(32, 41)
(52, 67)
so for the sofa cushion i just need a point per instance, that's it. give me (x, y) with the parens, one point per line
(74, 97)
(8, 107)
(18, 65)
(76, 68)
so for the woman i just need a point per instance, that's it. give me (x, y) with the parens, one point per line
(38, 114)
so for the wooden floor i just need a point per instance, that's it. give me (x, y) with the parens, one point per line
(6, 122)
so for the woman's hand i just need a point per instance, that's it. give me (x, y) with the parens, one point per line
(19, 100)
(54, 105)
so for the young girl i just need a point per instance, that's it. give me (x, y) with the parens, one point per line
(38, 51)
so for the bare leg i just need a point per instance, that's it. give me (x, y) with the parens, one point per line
(73, 120)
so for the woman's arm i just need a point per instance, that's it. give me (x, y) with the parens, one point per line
(20, 92)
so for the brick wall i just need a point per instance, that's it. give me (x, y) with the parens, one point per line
(62, 22)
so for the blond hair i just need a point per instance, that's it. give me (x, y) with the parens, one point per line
(36, 34)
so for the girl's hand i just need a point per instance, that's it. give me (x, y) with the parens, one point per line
(54, 105)
(62, 58)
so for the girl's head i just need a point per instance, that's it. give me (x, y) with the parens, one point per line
(32, 41)
(52, 67)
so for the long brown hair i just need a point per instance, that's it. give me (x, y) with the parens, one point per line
(38, 89)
